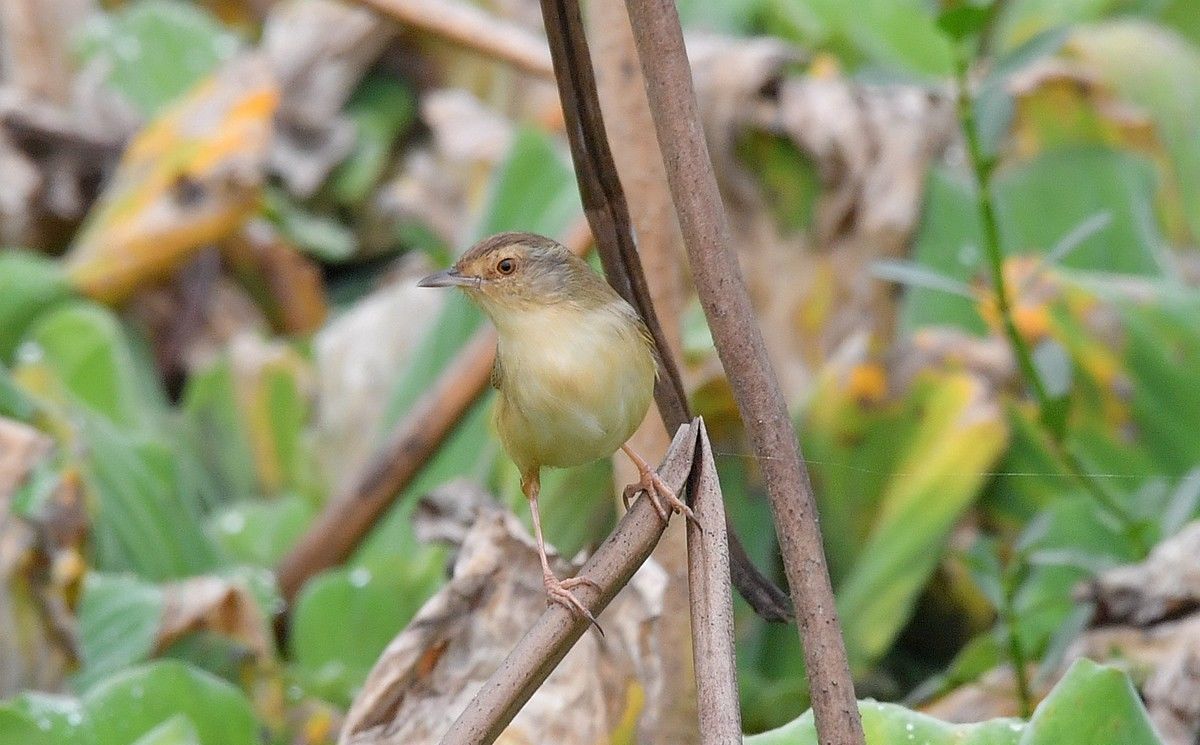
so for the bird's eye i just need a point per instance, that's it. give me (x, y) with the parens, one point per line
(506, 266)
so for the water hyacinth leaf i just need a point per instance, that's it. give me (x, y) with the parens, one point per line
(1093, 704)
(142, 521)
(156, 50)
(30, 285)
(345, 617)
(118, 620)
(260, 532)
(892, 724)
(88, 351)
(131, 704)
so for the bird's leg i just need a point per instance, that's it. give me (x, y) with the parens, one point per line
(557, 590)
(656, 490)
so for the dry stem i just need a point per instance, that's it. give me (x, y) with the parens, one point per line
(740, 346)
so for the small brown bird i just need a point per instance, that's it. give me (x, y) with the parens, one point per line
(575, 369)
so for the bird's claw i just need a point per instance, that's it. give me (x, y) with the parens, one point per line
(559, 591)
(658, 492)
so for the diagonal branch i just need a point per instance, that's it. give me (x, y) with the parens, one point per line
(543, 647)
(739, 342)
(473, 28)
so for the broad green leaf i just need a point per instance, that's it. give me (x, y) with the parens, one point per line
(131, 704)
(142, 520)
(892, 724)
(345, 617)
(156, 50)
(119, 617)
(260, 532)
(1035, 211)
(30, 285)
(1092, 704)
(85, 346)
(897, 36)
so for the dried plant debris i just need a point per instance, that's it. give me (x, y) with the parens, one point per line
(213, 604)
(853, 158)
(319, 51)
(40, 564)
(190, 178)
(357, 355)
(1148, 620)
(433, 668)
(1163, 587)
(438, 183)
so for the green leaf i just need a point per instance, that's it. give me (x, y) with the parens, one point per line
(898, 36)
(131, 704)
(260, 532)
(140, 702)
(1035, 211)
(891, 724)
(1092, 704)
(178, 730)
(119, 617)
(88, 350)
(142, 520)
(30, 285)
(157, 50)
(321, 236)
(382, 109)
(962, 21)
(345, 617)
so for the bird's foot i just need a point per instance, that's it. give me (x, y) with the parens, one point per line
(559, 591)
(658, 492)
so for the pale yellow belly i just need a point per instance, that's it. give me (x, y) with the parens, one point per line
(572, 398)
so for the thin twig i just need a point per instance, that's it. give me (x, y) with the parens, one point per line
(739, 343)
(712, 606)
(543, 647)
(982, 168)
(472, 28)
(606, 210)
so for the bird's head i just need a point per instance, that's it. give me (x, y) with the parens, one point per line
(509, 272)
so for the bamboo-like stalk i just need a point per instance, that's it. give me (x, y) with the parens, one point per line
(739, 343)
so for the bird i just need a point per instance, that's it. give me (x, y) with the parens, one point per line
(575, 369)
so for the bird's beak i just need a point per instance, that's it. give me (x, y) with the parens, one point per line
(448, 278)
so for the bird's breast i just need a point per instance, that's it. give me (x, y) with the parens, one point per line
(574, 386)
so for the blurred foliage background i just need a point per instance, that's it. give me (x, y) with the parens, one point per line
(213, 213)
